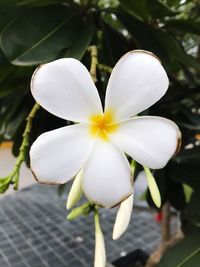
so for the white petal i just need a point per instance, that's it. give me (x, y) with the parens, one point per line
(123, 217)
(75, 191)
(65, 88)
(153, 188)
(107, 175)
(137, 81)
(149, 140)
(100, 252)
(56, 156)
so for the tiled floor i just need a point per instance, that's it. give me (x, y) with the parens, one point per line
(34, 232)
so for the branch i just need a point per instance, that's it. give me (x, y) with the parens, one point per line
(104, 68)
(13, 177)
(93, 50)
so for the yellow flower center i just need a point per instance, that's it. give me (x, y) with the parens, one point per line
(102, 125)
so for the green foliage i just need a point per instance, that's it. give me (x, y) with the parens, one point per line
(45, 38)
(82, 210)
(186, 253)
(34, 32)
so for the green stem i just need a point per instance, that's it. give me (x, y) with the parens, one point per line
(93, 69)
(97, 221)
(14, 176)
(104, 68)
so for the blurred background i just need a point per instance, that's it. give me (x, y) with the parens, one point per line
(39, 31)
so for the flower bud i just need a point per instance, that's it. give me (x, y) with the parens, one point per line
(123, 217)
(153, 188)
(75, 191)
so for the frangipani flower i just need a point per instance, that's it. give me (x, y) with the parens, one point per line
(99, 139)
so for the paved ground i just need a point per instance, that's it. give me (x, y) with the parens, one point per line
(35, 233)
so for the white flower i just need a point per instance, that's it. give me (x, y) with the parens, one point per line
(99, 139)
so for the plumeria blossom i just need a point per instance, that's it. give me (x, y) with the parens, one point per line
(98, 141)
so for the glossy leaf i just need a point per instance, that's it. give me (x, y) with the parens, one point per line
(31, 3)
(186, 253)
(136, 8)
(34, 38)
(82, 39)
(192, 211)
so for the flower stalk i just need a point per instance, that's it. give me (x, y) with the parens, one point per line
(13, 177)
(100, 252)
(104, 68)
(94, 61)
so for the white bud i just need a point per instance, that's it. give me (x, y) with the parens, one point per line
(123, 217)
(75, 191)
(153, 188)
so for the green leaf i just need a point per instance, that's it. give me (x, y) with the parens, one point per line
(83, 39)
(79, 211)
(186, 253)
(147, 9)
(185, 167)
(158, 9)
(31, 2)
(33, 38)
(193, 211)
(174, 49)
(143, 37)
(136, 8)
(176, 195)
(183, 26)
(114, 45)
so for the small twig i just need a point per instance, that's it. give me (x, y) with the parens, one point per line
(165, 223)
(25, 141)
(104, 68)
(93, 69)
(13, 177)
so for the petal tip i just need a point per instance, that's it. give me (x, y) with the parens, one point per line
(179, 142)
(42, 182)
(146, 52)
(33, 76)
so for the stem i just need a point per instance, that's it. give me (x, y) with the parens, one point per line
(22, 150)
(104, 68)
(93, 69)
(100, 253)
(165, 224)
